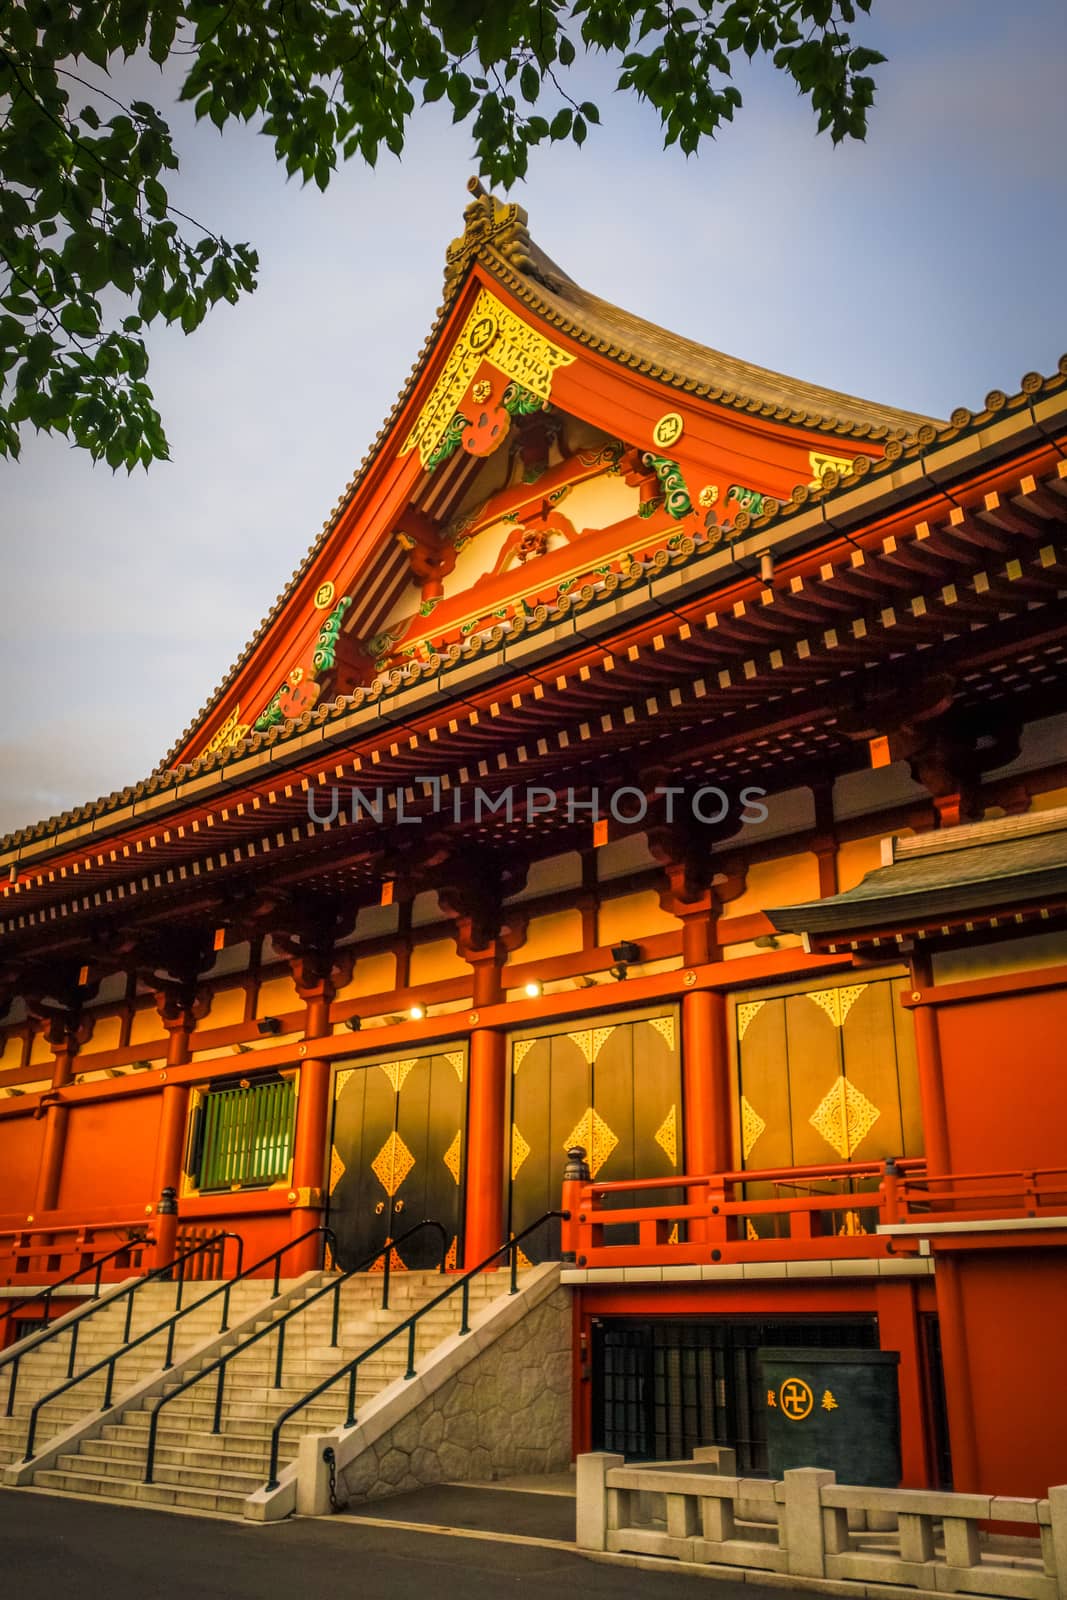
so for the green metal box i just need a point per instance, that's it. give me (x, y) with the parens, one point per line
(838, 1409)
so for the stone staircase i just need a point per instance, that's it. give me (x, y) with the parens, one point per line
(43, 1367)
(198, 1470)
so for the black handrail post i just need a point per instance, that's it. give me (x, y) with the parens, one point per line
(350, 1421)
(280, 1356)
(219, 1387)
(224, 1325)
(385, 1277)
(109, 1384)
(129, 1318)
(465, 1323)
(514, 1253)
(73, 1348)
(11, 1387)
(336, 1314)
(410, 1373)
(96, 1280)
(277, 1274)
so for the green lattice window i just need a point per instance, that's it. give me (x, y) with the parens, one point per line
(242, 1134)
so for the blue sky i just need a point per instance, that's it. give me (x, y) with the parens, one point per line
(921, 269)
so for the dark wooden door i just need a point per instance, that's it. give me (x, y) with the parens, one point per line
(612, 1087)
(825, 1075)
(397, 1157)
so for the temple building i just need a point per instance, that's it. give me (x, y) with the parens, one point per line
(655, 757)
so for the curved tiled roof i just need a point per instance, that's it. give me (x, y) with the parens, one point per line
(533, 277)
(691, 367)
(502, 244)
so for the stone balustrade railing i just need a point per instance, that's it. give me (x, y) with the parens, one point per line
(822, 1533)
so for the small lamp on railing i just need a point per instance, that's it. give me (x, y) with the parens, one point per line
(575, 1175)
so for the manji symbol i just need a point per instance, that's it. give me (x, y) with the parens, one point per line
(795, 1399)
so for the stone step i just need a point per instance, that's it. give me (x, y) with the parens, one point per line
(251, 1417)
(251, 1461)
(207, 1479)
(241, 1441)
(153, 1494)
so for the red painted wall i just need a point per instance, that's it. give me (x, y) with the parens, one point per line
(20, 1154)
(1005, 1074)
(1014, 1313)
(110, 1156)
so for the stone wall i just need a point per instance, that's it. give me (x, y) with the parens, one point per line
(507, 1410)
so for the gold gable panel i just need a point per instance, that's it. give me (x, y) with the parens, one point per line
(495, 334)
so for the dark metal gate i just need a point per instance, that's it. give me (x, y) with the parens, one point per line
(661, 1388)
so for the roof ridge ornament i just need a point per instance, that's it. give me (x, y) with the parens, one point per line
(489, 221)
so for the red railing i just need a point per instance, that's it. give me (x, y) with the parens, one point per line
(790, 1213)
(37, 1256)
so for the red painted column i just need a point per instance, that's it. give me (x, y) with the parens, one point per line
(486, 1130)
(706, 1092)
(50, 1170)
(706, 1082)
(170, 1147)
(898, 1329)
(931, 1079)
(309, 1144)
(960, 1401)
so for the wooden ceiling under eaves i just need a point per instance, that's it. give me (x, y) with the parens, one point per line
(748, 685)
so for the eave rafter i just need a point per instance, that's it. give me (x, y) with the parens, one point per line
(974, 585)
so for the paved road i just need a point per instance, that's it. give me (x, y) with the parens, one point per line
(81, 1549)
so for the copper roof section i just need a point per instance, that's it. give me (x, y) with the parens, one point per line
(981, 866)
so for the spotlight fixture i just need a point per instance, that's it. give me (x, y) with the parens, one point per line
(353, 1024)
(624, 955)
(417, 1013)
(766, 941)
(269, 1024)
(532, 990)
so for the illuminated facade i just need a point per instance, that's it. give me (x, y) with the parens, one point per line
(541, 813)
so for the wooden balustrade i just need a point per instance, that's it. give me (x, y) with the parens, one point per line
(855, 1209)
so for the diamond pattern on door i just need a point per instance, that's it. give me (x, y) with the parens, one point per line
(844, 1117)
(665, 1027)
(520, 1050)
(596, 1138)
(666, 1136)
(396, 1072)
(451, 1157)
(837, 1003)
(746, 1013)
(392, 1164)
(752, 1125)
(337, 1168)
(519, 1151)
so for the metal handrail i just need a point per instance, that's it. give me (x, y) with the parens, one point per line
(15, 1354)
(351, 1369)
(32, 1299)
(220, 1364)
(171, 1322)
(128, 1344)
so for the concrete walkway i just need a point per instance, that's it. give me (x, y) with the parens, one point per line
(497, 1510)
(82, 1549)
